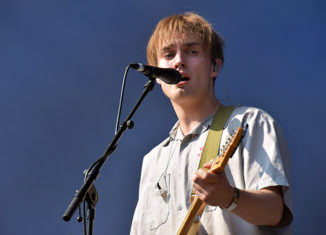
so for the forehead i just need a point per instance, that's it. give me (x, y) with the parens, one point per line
(184, 39)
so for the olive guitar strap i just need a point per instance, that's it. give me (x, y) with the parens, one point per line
(212, 144)
(211, 149)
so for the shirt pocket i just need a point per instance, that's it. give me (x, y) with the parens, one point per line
(157, 208)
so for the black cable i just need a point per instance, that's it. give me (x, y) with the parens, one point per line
(121, 98)
(105, 155)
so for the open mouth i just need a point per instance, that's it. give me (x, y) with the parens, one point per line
(185, 78)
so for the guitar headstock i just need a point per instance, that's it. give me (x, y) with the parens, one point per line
(228, 150)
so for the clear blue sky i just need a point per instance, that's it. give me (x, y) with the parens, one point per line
(61, 67)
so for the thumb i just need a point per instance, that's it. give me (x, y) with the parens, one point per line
(208, 164)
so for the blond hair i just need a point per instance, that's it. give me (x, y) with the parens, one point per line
(187, 22)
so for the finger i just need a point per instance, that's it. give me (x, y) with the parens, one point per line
(199, 194)
(208, 177)
(200, 191)
(203, 185)
(208, 164)
(199, 182)
(205, 192)
(199, 178)
(198, 188)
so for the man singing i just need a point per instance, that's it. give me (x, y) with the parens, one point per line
(252, 194)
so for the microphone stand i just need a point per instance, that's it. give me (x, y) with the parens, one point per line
(94, 171)
(91, 200)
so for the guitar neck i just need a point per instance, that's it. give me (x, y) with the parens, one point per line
(190, 217)
(221, 161)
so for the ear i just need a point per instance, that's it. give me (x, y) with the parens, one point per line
(216, 65)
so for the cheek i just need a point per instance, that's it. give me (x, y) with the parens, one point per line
(165, 89)
(160, 63)
(163, 63)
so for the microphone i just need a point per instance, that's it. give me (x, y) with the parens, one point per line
(167, 75)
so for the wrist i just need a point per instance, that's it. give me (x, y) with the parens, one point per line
(235, 200)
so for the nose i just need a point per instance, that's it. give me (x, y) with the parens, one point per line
(179, 61)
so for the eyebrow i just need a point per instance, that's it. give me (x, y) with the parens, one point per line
(190, 44)
(187, 44)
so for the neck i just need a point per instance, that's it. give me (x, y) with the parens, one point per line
(191, 115)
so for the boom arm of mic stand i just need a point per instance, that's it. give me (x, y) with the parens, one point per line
(93, 174)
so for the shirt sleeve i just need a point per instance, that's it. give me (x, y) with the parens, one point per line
(263, 152)
(262, 159)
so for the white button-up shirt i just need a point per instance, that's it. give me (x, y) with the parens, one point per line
(165, 187)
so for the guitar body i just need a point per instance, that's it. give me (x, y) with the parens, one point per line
(191, 223)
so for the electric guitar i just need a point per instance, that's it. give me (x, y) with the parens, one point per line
(191, 222)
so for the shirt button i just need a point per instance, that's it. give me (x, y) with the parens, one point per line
(179, 208)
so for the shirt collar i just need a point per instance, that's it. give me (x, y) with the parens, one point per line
(176, 134)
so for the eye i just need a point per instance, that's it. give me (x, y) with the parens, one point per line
(168, 55)
(193, 51)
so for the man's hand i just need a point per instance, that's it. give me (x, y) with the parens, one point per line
(213, 189)
(259, 207)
